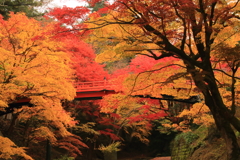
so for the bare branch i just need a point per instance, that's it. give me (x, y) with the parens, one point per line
(219, 70)
(135, 81)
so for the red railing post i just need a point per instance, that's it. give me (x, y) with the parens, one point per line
(105, 80)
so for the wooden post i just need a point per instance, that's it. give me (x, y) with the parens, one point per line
(105, 81)
(48, 150)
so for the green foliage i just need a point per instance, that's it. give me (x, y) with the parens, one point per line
(237, 134)
(228, 89)
(188, 137)
(65, 157)
(87, 128)
(164, 126)
(186, 143)
(26, 6)
(98, 5)
(114, 147)
(113, 66)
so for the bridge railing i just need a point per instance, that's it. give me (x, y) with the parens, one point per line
(107, 85)
(93, 86)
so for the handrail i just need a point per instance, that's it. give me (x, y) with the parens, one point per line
(103, 85)
(93, 86)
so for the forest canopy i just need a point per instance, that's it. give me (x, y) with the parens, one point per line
(173, 64)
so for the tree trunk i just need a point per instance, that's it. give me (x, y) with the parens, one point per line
(223, 122)
(12, 124)
(227, 133)
(221, 114)
(48, 150)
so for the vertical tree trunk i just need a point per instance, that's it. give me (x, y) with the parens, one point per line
(224, 126)
(221, 114)
(12, 124)
(227, 133)
(48, 150)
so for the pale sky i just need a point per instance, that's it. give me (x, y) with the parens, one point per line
(61, 3)
(68, 3)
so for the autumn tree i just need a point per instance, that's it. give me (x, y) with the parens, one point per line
(143, 81)
(83, 59)
(85, 69)
(92, 123)
(33, 65)
(30, 50)
(187, 30)
(153, 100)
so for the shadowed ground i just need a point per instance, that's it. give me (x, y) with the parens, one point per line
(162, 158)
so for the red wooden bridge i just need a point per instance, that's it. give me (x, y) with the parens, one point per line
(87, 90)
(93, 90)
(90, 90)
(84, 91)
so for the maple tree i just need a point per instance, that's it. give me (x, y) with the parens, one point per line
(40, 62)
(133, 115)
(168, 100)
(9, 149)
(83, 60)
(96, 126)
(92, 123)
(188, 30)
(29, 60)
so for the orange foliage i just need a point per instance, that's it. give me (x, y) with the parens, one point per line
(35, 66)
(191, 31)
(9, 150)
